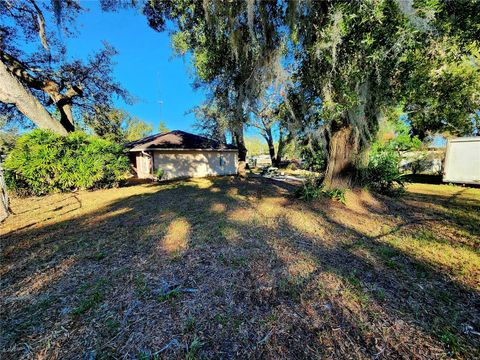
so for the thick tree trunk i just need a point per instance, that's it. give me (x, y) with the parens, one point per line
(271, 146)
(4, 203)
(65, 109)
(271, 152)
(342, 150)
(282, 143)
(66, 116)
(13, 92)
(242, 151)
(63, 102)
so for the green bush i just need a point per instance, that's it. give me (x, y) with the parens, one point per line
(310, 189)
(314, 161)
(159, 174)
(313, 188)
(382, 173)
(43, 162)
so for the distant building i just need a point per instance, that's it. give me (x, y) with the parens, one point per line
(423, 162)
(259, 161)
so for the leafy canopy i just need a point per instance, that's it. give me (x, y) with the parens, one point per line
(117, 125)
(32, 49)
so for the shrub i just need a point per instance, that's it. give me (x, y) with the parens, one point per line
(159, 174)
(312, 188)
(382, 173)
(43, 162)
(314, 157)
(314, 161)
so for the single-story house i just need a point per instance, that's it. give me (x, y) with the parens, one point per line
(181, 155)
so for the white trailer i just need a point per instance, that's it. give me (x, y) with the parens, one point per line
(462, 161)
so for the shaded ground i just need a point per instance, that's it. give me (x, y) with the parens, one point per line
(424, 178)
(239, 269)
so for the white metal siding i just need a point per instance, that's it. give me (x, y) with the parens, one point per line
(462, 161)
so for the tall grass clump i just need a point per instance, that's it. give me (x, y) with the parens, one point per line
(313, 188)
(43, 162)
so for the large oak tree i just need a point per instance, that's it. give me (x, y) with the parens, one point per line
(38, 80)
(358, 59)
(235, 48)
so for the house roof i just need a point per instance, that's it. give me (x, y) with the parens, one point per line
(177, 140)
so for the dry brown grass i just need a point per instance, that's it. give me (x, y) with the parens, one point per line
(224, 268)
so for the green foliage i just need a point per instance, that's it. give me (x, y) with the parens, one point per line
(313, 188)
(180, 42)
(344, 61)
(136, 128)
(396, 134)
(314, 160)
(43, 162)
(442, 94)
(211, 122)
(170, 295)
(7, 140)
(356, 47)
(193, 349)
(256, 146)
(290, 150)
(335, 194)
(117, 125)
(162, 127)
(159, 174)
(382, 173)
(106, 122)
(403, 140)
(35, 43)
(230, 57)
(270, 118)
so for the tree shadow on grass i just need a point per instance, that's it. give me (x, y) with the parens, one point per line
(231, 269)
(424, 179)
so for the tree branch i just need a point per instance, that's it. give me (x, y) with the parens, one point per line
(41, 26)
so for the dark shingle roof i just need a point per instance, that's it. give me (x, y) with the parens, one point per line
(177, 139)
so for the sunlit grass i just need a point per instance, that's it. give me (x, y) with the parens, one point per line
(176, 238)
(216, 261)
(458, 262)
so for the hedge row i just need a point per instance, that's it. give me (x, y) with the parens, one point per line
(43, 162)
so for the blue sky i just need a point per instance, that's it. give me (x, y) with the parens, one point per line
(144, 65)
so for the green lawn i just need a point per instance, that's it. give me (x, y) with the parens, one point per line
(225, 268)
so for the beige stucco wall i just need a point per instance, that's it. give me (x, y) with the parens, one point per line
(179, 164)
